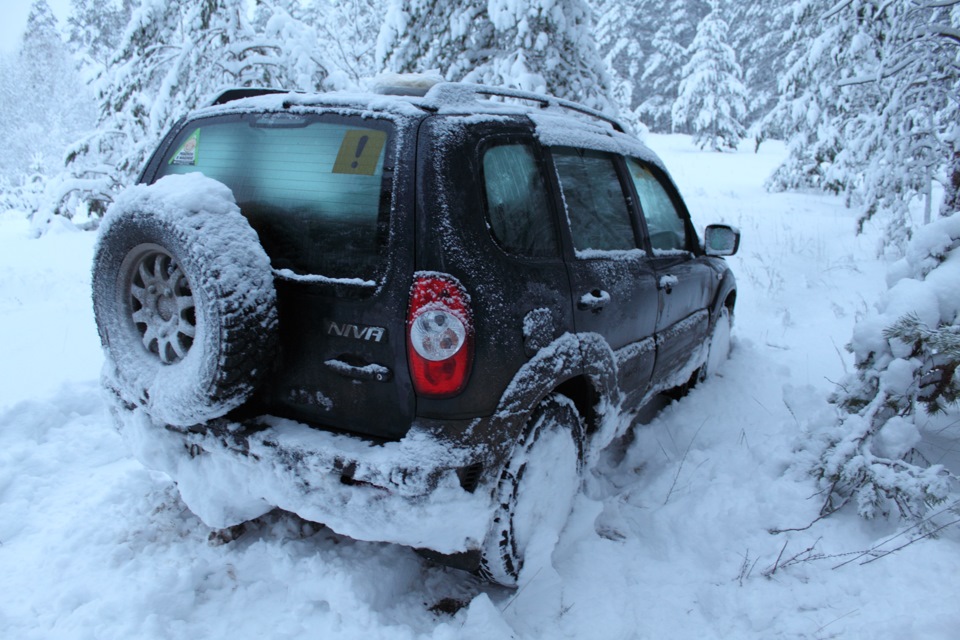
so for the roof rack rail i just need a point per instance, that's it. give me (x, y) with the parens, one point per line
(239, 93)
(464, 92)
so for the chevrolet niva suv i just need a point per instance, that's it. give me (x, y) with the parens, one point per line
(413, 318)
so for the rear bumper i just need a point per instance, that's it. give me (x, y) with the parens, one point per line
(407, 492)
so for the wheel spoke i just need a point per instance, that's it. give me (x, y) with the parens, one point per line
(160, 267)
(179, 347)
(139, 293)
(164, 349)
(145, 276)
(141, 316)
(150, 336)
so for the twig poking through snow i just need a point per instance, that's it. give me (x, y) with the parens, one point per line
(682, 460)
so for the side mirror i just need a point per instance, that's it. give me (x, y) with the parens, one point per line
(721, 240)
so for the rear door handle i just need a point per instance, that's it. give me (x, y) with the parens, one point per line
(668, 282)
(593, 301)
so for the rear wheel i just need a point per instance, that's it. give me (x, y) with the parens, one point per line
(536, 489)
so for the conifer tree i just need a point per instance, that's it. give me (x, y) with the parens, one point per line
(757, 31)
(95, 28)
(621, 34)
(901, 135)
(870, 96)
(810, 101)
(712, 100)
(536, 45)
(425, 35)
(172, 56)
(43, 107)
(644, 43)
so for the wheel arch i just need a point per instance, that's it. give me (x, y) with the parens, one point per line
(726, 296)
(581, 367)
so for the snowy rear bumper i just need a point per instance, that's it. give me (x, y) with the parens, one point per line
(405, 492)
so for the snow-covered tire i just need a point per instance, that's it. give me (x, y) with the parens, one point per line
(184, 300)
(536, 489)
(718, 351)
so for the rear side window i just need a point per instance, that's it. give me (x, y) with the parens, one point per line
(517, 206)
(314, 191)
(667, 229)
(594, 199)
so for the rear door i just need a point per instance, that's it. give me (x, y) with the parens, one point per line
(614, 287)
(685, 282)
(331, 205)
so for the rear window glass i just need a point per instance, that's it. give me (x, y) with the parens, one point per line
(313, 190)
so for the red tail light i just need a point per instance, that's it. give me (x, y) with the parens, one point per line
(439, 335)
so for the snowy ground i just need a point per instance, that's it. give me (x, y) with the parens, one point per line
(669, 540)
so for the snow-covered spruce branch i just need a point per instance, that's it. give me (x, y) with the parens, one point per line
(851, 470)
(906, 366)
(836, 9)
(936, 4)
(945, 31)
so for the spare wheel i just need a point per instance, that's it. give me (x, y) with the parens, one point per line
(184, 300)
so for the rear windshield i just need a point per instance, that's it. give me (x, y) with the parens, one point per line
(312, 187)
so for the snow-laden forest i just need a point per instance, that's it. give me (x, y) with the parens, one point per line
(810, 491)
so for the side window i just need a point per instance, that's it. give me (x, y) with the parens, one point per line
(596, 206)
(667, 229)
(517, 205)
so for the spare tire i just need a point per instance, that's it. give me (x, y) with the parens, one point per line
(184, 300)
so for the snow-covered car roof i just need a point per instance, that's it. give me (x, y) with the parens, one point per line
(558, 122)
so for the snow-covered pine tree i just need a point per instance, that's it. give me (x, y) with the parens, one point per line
(536, 45)
(902, 148)
(908, 349)
(95, 28)
(546, 45)
(810, 103)
(872, 103)
(54, 101)
(711, 103)
(756, 33)
(43, 107)
(644, 42)
(424, 35)
(173, 55)
(621, 34)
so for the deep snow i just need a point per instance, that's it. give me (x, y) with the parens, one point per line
(668, 540)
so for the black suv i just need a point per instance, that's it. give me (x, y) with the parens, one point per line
(413, 318)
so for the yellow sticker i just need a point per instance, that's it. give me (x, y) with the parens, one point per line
(360, 152)
(188, 151)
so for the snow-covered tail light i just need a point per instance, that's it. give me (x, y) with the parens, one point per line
(439, 335)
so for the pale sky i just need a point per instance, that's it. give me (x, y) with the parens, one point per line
(15, 19)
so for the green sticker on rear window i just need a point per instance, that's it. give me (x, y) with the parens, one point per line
(360, 152)
(188, 151)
